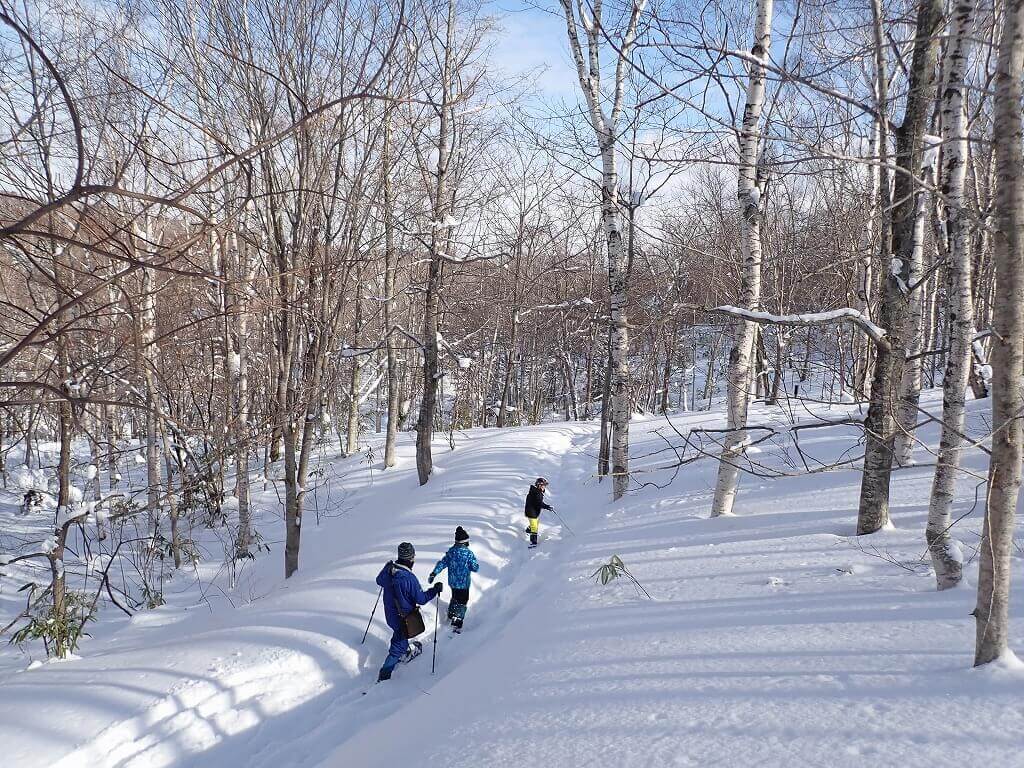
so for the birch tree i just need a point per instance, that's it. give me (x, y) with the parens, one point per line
(900, 240)
(991, 613)
(606, 125)
(946, 556)
(390, 282)
(744, 331)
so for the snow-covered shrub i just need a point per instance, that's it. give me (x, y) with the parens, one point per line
(63, 629)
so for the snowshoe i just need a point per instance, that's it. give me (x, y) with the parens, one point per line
(415, 649)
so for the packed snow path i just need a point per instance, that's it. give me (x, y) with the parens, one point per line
(775, 638)
(273, 681)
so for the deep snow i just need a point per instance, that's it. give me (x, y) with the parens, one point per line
(775, 638)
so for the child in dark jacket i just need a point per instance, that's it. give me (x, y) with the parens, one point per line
(534, 504)
(460, 562)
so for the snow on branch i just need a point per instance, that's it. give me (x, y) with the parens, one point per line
(847, 314)
(586, 301)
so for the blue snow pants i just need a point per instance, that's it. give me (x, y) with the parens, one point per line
(399, 646)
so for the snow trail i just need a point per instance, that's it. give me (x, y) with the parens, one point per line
(273, 679)
(775, 638)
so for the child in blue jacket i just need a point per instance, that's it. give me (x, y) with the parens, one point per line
(401, 593)
(460, 562)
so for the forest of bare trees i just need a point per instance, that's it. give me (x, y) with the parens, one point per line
(235, 232)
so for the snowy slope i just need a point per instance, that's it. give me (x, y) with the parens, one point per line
(185, 685)
(775, 638)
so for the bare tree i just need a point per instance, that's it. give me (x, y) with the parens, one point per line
(606, 126)
(749, 189)
(900, 241)
(991, 613)
(946, 555)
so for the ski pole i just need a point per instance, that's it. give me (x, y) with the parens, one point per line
(562, 521)
(437, 613)
(371, 616)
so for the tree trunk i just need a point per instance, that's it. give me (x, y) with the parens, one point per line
(56, 555)
(945, 552)
(992, 610)
(431, 302)
(606, 128)
(390, 272)
(95, 456)
(292, 499)
(619, 338)
(910, 383)
(147, 340)
(510, 358)
(873, 512)
(749, 194)
(605, 449)
(863, 348)
(666, 374)
(240, 391)
(172, 499)
(355, 383)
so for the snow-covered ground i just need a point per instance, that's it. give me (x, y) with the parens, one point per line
(774, 638)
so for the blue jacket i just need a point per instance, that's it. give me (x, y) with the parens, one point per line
(460, 561)
(399, 582)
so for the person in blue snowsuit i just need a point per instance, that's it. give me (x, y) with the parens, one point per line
(402, 592)
(460, 562)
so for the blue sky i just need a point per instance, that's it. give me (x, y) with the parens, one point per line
(531, 39)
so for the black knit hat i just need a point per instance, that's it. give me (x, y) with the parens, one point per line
(406, 551)
(461, 535)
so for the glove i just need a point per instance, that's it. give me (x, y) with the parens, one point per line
(438, 588)
(431, 577)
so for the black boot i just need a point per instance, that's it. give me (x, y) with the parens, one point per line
(533, 539)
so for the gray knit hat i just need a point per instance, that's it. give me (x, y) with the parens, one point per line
(406, 551)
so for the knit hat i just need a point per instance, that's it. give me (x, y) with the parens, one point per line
(406, 551)
(461, 535)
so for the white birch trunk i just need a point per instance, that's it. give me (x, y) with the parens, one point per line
(606, 129)
(910, 384)
(945, 552)
(240, 390)
(863, 349)
(355, 380)
(744, 331)
(991, 612)
(390, 269)
(147, 342)
(172, 499)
